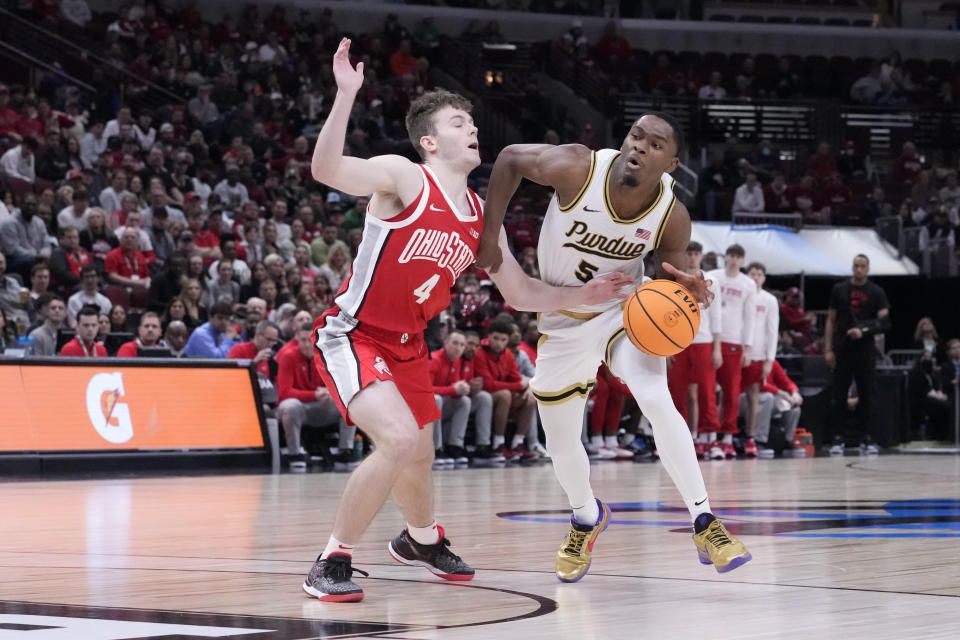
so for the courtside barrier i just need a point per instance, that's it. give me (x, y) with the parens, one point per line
(66, 405)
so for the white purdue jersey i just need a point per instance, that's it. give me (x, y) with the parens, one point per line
(587, 238)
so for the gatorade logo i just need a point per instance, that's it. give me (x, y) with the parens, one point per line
(109, 416)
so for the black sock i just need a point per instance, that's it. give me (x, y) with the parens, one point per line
(702, 522)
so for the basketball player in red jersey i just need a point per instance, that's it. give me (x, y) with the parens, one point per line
(421, 232)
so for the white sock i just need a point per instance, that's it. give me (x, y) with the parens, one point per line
(335, 546)
(588, 513)
(517, 441)
(425, 535)
(497, 441)
(728, 438)
(610, 442)
(697, 509)
(596, 441)
(711, 437)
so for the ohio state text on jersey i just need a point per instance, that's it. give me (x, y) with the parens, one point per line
(406, 266)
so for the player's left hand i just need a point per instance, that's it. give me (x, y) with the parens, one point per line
(696, 283)
(606, 288)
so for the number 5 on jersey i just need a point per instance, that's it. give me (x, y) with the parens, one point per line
(585, 271)
(423, 291)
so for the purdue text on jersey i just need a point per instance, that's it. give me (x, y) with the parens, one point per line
(597, 244)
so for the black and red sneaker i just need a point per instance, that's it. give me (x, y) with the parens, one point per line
(330, 580)
(437, 558)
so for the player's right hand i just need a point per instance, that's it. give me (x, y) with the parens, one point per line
(831, 359)
(348, 79)
(606, 288)
(489, 255)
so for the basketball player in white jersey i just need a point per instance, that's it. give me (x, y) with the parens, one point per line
(696, 366)
(736, 339)
(609, 209)
(766, 330)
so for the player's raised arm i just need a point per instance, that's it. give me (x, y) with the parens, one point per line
(563, 167)
(387, 175)
(524, 293)
(672, 252)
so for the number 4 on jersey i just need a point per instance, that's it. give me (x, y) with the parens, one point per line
(423, 291)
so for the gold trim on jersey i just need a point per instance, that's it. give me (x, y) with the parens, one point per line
(663, 221)
(613, 338)
(583, 190)
(577, 315)
(609, 204)
(543, 337)
(582, 389)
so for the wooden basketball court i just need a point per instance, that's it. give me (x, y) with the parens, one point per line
(843, 548)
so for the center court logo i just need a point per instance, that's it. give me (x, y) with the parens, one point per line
(109, 416)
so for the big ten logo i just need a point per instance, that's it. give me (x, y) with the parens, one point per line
(109, 416)
(688, 300)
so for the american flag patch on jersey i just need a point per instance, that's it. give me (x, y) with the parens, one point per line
(643, 234)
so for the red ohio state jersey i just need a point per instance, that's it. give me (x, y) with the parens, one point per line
(407, 265)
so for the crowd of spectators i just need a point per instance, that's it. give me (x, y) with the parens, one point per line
(194, 226)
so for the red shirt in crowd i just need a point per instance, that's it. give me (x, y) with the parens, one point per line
(778, 381)
(126, 266)
(76, 349)
(402, 63)
(8, 121)
(907, 168)
(295, 376)
(530, 351)
(128, 349)
(444, 373)
(821, 166)
(77, 260)
(499, 371)
(248, 351)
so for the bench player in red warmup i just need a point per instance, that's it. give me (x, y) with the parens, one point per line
(422, 230)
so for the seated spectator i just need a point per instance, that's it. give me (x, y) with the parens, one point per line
(96, 238)
(118, 319)
(158, 238)
(869, 89)
(214, 338)
(192, 297)
(950, 371)
(806, 199)
(876, 206)
(127, 272)
(908, 166)
(260, 348)
(776, 198)
(925, 339)
(18, 165)
(837, 196)
(452, 394)
(748, 197)
(133, 221)
(67, 261)
(53, 313)
(794, 314)
(303, 398)
(950, 194)
(929, 404)
(8, 333)
(176, 337)
(608, 396)
(13, 296)
(39, 283)
(89, 294)
(821, 164)
(23, 236)
(224, 287)
(403, 62)
(148, 335)
(320, 247)
(337, 267)
(510, 391)
(228, 252)
(75, 214)
(780, 399)
(84, 344)
(714, 90)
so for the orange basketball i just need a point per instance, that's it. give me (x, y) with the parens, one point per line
(661, 317)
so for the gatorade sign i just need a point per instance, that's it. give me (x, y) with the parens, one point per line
(109, 407)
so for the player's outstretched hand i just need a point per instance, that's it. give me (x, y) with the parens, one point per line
(696, 283)
(606, 288)
(489, 256)
(348, 79)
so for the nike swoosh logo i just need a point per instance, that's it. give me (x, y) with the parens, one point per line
(585, 208)
(697, 504)
(434, 208)
(343, 547)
